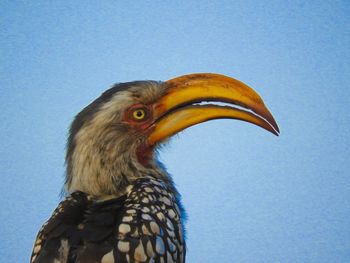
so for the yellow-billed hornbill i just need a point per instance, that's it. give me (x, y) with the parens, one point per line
(121, 206)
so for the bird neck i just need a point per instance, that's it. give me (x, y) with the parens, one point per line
(107, 171)
(103, 160)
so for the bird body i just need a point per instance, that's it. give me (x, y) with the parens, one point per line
(121, 205)
(143, 225)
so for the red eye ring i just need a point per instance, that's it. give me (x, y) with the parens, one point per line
(138, 113)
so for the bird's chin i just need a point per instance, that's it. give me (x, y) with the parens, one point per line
(144, 154)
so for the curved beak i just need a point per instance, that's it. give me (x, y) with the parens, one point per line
(185, 103)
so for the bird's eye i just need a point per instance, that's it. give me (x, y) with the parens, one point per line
(139, 114)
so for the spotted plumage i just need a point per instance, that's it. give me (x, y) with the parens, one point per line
(143, 225)
(121, 206)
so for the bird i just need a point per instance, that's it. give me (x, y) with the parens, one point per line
(120, 204)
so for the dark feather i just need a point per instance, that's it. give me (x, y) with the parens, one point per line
(143, 225)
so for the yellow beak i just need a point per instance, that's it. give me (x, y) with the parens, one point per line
(180, 107)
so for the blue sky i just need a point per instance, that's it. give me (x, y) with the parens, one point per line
(250, 196)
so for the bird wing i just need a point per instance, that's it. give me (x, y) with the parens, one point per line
(141, 226)
(52, 240)
(79, 231)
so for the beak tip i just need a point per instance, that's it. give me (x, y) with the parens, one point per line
(277, 131)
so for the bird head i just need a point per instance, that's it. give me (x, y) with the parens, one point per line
(114, 139)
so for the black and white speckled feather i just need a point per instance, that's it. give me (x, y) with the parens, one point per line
(144, 225)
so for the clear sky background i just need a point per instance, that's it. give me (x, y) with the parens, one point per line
(250, 196)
